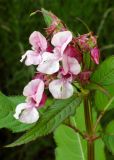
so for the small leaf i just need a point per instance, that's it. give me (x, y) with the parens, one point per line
(50, 119)
(104, 75)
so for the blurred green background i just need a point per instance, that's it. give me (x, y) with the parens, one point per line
(15, 28)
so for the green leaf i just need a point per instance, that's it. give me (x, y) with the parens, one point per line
(69, 144)
(108, 136)
(16, 99)
(110, 127)
(73, 146)
(7, 109)
(104, 75)
(50, 119)
(99, 150)
(101, 100)
(109, 142)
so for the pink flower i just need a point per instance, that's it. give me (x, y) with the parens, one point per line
(34, 91)
(39, 45)
(60, 40)
(95, 55)
(27, 112)
(71, 65)
(50, 61)
(49, 64)
(61, 88)
(70, 62)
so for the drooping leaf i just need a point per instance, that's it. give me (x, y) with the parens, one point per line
(7, 109)
(104, 75)
(51, 118)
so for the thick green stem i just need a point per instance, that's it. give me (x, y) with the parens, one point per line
(89, 127)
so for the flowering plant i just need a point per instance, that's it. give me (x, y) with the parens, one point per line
(70, 92)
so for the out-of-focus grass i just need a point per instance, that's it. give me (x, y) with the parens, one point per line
(15, 28)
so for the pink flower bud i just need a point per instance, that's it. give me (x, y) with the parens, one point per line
(95, 55)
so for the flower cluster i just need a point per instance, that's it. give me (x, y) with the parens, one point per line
(59, 63)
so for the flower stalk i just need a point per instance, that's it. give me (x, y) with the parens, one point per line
(89, 127)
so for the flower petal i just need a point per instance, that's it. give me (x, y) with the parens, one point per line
(26, 114)
(32, 57)
(62, 39)
(39, 92)
(61, 89)
(33, 87)
(74, 52)
(43, 100)
(65, 64)
(49, 64)
(37, 40)
(71, 65)
(74, 66)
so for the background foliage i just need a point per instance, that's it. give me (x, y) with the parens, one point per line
(15, 28)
